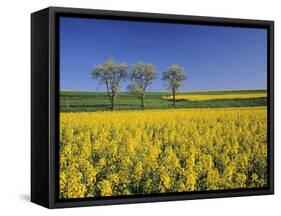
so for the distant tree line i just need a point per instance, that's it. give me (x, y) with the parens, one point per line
(141, 76)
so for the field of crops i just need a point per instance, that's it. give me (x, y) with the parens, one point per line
(205, 97)
(158, 151)
(75, 101)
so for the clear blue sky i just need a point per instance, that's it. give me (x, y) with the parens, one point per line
(215, 58)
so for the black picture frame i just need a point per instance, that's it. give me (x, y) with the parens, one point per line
(45, 105)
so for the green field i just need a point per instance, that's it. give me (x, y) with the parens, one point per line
(75, 101)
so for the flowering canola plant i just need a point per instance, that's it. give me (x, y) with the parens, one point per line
(159, 151)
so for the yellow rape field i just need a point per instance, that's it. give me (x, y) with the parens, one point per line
(159, 151)
(216, 96)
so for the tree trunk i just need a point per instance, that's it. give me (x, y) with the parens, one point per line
(112, 102)
(142, 101)
(174, 98)
(109, 96)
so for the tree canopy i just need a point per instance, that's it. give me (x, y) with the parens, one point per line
(141, 76)
(174, 77)
(110, 73)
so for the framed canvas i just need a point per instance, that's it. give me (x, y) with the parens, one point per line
(138, 107)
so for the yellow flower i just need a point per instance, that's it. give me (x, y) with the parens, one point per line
(158, 151)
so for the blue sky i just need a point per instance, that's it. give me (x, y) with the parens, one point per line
(215, 58)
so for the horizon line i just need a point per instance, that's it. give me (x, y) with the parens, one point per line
(72, 90)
